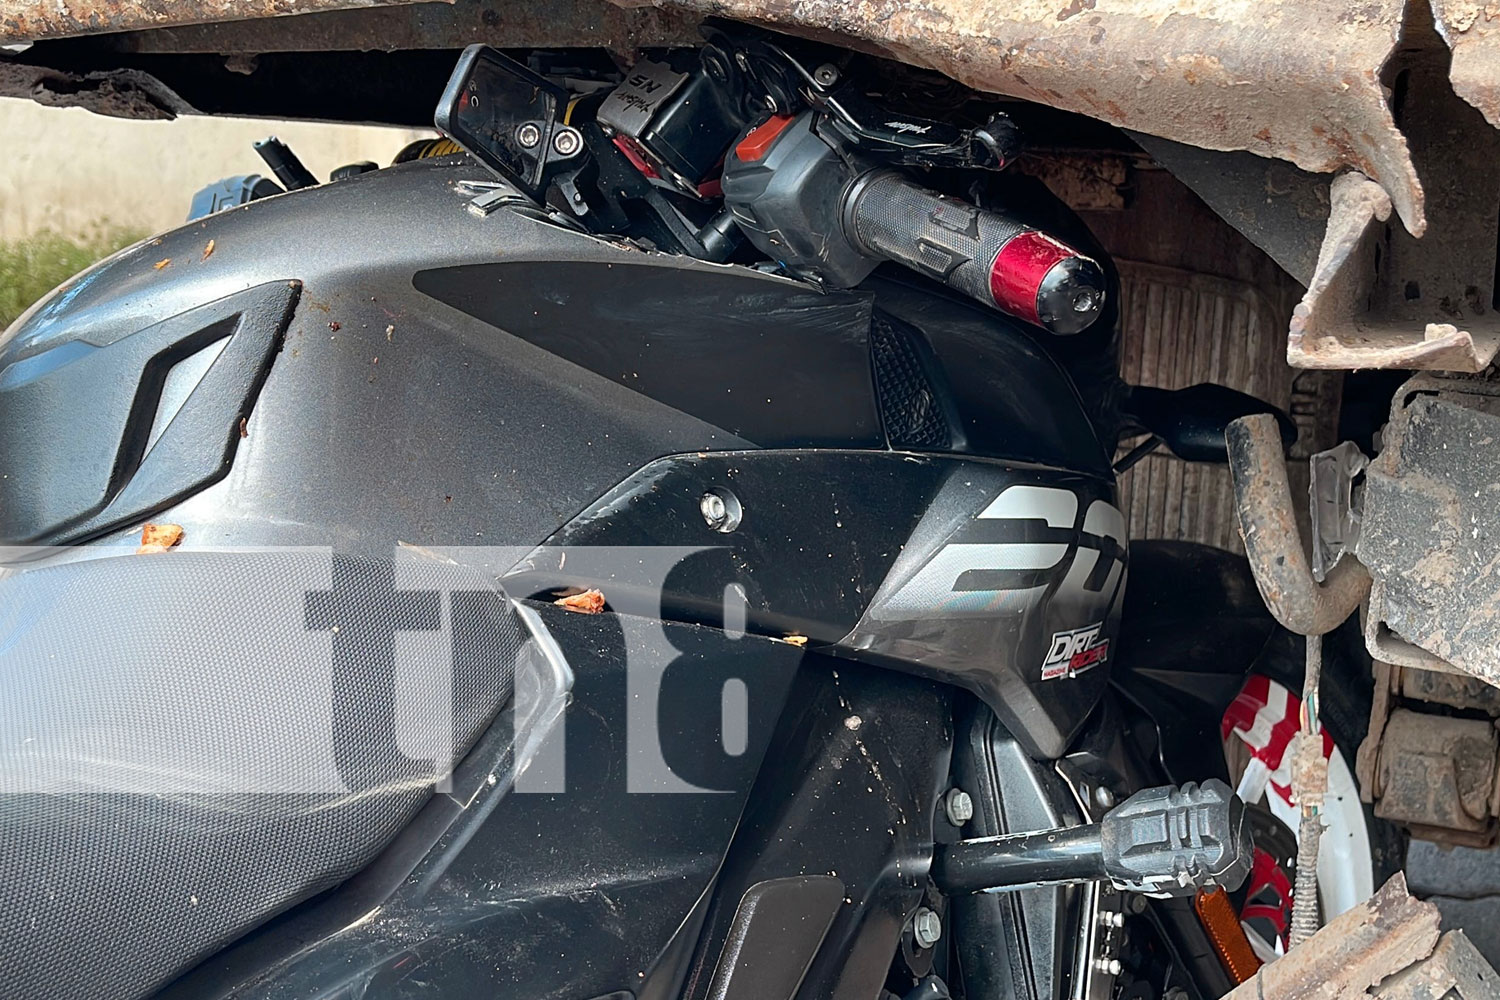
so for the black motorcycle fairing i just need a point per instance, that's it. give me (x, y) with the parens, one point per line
(848, 792)
(819, 531)
(1009, 586)
(1194, 625)
(391, 416)
(530, 891)
(1020, 944)
(961, 570)
(1008, 398)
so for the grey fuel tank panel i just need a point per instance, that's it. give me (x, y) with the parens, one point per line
(329, 401)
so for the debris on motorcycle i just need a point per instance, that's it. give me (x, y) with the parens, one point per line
(159, 538)
(588, 602)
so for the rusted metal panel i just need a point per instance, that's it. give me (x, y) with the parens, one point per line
(1293, 79)
(452, 25)
(1429, 524)
(1436, 771)
(33, 20)
(1454, 971)
(1387, 933)
(1386, 948)
(1334, 327)
(1472, 30)
(1381, 298)
(121, 93)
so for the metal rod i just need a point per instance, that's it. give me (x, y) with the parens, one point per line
(1273, 542)
(1019, 860)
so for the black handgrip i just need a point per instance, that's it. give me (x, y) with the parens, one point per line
(999, 261)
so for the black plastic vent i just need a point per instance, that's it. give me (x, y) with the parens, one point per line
(909, 406)
(163, 408)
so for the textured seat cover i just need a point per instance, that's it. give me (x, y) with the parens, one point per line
(192, 742)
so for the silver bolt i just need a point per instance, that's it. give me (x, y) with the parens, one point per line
(1111, 918)
(1084, 301)
(721, 509)
(528, 135)
(959, 806)
(826, 75)
(712, 506)
(770, 102)
(1104, 798)
(926, 928)
(566, 142)
(1108, 966)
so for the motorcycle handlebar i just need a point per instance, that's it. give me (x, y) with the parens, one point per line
(999, 261)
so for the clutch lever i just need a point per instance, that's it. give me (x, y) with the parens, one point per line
(913, 141)
(865, 126)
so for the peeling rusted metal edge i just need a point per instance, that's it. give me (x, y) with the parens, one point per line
(452, 25)
(1382, 299)
(1360, 948)
(1360, 207)
(37, 20)
(1473, 35)
(1455, 969)
(1290, 79)
(120, 93)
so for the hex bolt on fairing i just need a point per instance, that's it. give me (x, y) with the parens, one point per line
(1166, 841)
(926, 927)
(959, 806)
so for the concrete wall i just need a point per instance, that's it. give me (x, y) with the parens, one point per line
(66, 169)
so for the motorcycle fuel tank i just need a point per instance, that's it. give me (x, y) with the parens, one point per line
(368, 364)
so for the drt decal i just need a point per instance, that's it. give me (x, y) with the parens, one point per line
(1075, 651)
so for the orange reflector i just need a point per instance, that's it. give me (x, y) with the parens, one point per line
(1228, 937)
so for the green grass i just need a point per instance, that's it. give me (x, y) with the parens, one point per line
(32, 267)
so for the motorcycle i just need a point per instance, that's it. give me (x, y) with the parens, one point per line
(668, 548)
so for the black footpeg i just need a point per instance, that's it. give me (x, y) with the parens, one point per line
(1165, 841)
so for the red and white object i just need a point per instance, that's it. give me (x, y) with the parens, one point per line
(1264, 717)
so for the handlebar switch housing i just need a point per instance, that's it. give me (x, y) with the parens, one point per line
(784, 185)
